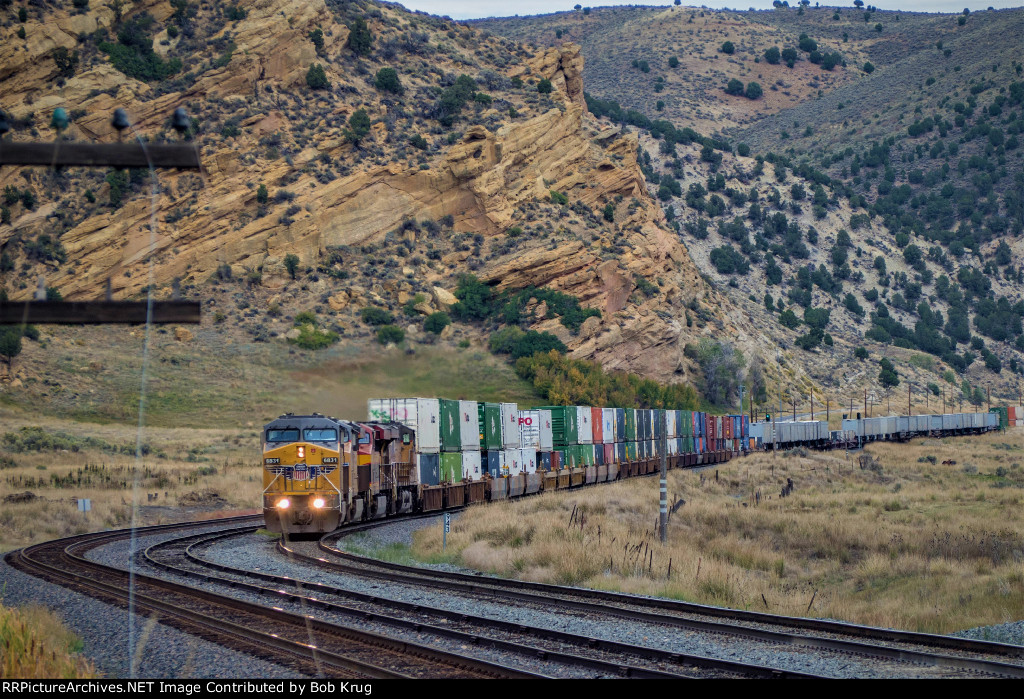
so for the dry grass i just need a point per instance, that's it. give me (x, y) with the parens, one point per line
(35, 644)
(188, 473)
(903, 543)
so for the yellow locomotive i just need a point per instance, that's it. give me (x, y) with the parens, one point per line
(320, 472)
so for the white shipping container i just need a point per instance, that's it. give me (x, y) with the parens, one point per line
(528, 458)
(586, 429)
(529, 429)
(469, 425)
(608, 425)
(670, 418)
(420, 414)
(547, 438)
(510, 436)
(513, 460)
(471, 468)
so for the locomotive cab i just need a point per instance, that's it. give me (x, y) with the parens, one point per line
(304, 457)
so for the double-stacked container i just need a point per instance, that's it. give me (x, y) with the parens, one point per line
(422, 415)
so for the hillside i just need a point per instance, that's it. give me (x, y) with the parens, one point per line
(881, 205)
(340, 175)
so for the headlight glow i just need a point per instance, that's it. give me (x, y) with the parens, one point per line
(283, 503)
(318, 503)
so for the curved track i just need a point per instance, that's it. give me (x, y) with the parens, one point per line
(962, 657)
(606, 658)
(315, 648)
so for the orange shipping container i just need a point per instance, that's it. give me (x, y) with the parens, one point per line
(597, 425)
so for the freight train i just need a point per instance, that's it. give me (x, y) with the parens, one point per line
(427, 454)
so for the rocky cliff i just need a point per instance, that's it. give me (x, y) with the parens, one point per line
(333, 201)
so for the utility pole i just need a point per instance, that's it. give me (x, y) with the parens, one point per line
(826, 408)
(663, 494)
(865, 402)
(812, 405)
(908, 398)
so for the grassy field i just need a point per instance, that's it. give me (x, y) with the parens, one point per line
(899, 540)
(46, 465)
(35, 644)
(94, 375)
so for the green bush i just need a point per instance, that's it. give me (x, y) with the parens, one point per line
(291, 263)
(372, 315)
(436, 322)
(360, 40)
(316, 78)
(754, 91)
(544, 86)
(387, 79)
(558, 197)
(728, 48)
(735, 87)
(390, 334)
(312, 338)
(773, 55)
(133, 53)
(358, 126)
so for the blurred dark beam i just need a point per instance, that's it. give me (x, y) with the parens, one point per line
(120, 155)
(97, 312)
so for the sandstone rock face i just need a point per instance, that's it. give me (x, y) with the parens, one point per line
(183, 334)
(483, 181)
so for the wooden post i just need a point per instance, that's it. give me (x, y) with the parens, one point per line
(663, 494)
(812, 405)
(908, 398)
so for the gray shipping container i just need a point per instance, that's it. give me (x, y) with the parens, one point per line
(469, 425)
(583, 422)
(510, 435)
(420, 414)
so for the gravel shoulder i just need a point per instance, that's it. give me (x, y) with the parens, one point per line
(163, 652)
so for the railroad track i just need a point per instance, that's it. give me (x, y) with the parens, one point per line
(606, 658)
(314, 648)
(945, 656)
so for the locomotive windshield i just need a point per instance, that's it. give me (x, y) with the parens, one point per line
(288, 435)
(320, 435)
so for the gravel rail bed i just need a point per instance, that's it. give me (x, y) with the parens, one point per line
(162, 652)
(1011, 633)
(247, 553)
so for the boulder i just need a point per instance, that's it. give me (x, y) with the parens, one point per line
(183, 334)
(339, 301)
(444, 299)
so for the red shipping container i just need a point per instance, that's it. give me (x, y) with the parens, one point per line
(609, 453)
(597, 424)
(556, 460)
(727, 424)
(710, 427)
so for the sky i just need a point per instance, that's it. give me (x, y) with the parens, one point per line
(473, 9)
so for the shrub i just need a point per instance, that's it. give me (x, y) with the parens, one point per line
(887, 375)
(390, 334)
(868, 67)
(312, 338)
(728, 48)
(291, 263)
(734, 87)
(673, 62)
(387, 79)
(558, 197)
(436, 322)
(754, 91)
(317, 37)
(727, 260)
(10, 343)
(133, 53)
(234, 13)
(316, 78)
(860, 353)
(773, 55)
(358, 126)
(360, 40)
(373, 315)
(544, 86)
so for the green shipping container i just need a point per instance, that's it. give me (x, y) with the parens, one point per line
(564, 430)
(451, 467)
(451, 436)
(588, 453)
(686, 419)
(630, 425)
(631, 450)
(490, 426)
(1004, 416)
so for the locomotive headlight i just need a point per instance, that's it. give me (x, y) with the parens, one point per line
(318, 503)
(283, 503)
(300, 452)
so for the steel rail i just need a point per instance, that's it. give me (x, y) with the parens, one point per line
(616, 668)
(544, 593)
(75, 571)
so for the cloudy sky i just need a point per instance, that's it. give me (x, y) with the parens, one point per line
(471, 9)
